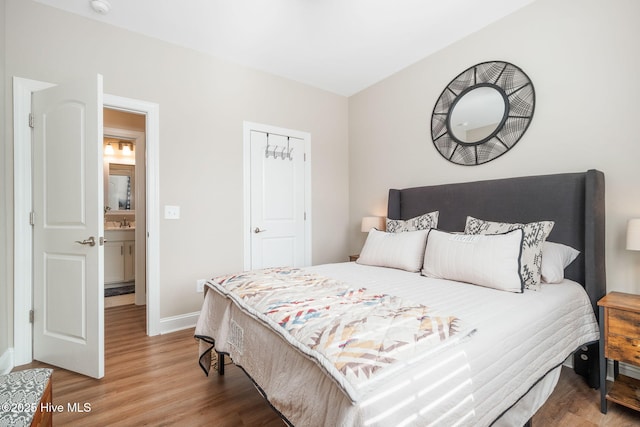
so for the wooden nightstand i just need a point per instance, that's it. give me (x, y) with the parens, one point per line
(353, 258)
(619, 341)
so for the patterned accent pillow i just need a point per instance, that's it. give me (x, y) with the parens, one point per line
(535, 233)
(422, 222)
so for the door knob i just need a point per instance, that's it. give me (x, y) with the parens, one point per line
(91, 241)
(257, 230)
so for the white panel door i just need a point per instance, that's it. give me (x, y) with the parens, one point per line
(68, 287)
(277, 201)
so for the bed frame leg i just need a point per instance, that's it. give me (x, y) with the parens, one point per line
(586, 364)
(220, 363)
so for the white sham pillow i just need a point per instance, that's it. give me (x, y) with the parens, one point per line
(555, 258)
(490, 260)
(421, 222)
(404, 251)
(535, 233)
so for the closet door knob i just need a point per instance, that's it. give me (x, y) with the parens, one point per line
(257, 230)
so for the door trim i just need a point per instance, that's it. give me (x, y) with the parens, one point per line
(22, 231)
(246, 167)
(152, 128)
(22, 237)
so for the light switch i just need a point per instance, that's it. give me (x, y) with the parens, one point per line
(171, 212)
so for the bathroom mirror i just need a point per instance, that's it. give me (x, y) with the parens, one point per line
(121, 187)
(482, 113)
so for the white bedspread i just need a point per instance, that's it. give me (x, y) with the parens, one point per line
(519, 338)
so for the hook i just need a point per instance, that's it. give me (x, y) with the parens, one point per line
(266, 150)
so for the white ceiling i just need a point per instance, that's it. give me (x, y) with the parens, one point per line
(342, 46)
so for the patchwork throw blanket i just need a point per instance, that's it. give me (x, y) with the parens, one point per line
(354, 335)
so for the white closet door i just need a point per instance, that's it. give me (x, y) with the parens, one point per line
(277, 201)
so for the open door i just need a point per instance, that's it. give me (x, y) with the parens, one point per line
(68, 282)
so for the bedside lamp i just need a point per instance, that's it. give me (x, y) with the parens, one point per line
(633, 234)
(377, 222)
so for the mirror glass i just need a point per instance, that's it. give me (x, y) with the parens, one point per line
(477, 114)
(120, 191)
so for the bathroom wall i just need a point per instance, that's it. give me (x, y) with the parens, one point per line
(130, 122)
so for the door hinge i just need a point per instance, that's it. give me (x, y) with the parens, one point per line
(31, 121)
(30, 316)
(32, 218)
(305, 157)
(305, 216)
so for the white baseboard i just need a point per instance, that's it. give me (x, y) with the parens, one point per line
(568, 362)
(6, 361)
(625, 369)
(628, 370)
(178, 323)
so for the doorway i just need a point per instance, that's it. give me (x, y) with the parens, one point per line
(23, 261)
(124, 207)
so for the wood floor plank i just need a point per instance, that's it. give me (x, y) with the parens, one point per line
(156, 381)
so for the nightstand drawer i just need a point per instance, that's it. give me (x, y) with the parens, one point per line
(623, 322)
(623, 349)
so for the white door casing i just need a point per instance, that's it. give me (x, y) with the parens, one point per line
(148, 247)
(68, 269)
(277, 197)
(22, 230)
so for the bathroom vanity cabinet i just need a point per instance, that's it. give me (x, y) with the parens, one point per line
(119, 256)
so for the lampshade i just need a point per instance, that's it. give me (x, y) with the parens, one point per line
(369, 222)
(633, 234)
(126, 149)
(108, 150)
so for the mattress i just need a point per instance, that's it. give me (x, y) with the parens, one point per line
(519, 338)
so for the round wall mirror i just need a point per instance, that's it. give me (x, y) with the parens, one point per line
(482, 113)
(477, 115)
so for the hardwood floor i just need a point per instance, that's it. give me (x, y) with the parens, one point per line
(574, 404)
(156, 381)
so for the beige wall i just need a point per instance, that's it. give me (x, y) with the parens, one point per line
(123, 120)
(203, 103)
(583, 59)
(6, 273)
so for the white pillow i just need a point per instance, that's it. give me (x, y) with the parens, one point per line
(422, 222)
(555, 258)
(491, 260)
(535, 233)
(396, 250)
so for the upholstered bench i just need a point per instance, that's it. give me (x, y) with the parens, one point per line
(25, 398)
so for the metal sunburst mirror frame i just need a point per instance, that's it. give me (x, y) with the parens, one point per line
(482, 113)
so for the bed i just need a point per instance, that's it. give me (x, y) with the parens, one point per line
(496, 354)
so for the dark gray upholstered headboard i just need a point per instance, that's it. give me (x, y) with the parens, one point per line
(575, 201)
